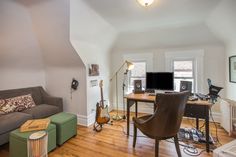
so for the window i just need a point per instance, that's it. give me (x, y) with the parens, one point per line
(137, 73)
(183, 70)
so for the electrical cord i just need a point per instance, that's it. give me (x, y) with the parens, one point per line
(202, 126)
(188, 149)
(125, 133)
(191, 123)
(192, 151)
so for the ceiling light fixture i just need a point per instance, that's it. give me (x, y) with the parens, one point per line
(145, 3)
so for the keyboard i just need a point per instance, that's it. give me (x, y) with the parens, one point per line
(151, 94)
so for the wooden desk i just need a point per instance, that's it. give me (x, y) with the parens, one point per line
(195, 109)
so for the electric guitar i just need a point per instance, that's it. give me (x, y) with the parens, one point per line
(102, 114)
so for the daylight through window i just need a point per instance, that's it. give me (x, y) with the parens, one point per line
(183, 70)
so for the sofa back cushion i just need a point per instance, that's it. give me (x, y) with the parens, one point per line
(16, 104)
(35, 92)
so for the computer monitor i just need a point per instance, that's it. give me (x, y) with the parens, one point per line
(160, 81)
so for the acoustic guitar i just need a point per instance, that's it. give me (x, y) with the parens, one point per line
(102, 114)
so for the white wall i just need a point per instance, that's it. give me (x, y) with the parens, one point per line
(214, 66)
(92, 37)
(222, 22)
(231, 87)
(51, 25)
(58, 81)
(36, 50)
(21, 63)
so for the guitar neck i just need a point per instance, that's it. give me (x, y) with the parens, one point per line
(102, 100)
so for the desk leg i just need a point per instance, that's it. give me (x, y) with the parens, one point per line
(207, 129)
(197, 123)
(129, 104)
(128, 116)
(136, 109)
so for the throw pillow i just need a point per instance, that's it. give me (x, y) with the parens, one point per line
(6, 106)
(16, 104)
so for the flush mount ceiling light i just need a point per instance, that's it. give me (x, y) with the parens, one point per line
(145, 3)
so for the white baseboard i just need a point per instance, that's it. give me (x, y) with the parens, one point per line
(86, 120)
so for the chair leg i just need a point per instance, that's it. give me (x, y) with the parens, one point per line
(156, 147)
(134, 136)
(177, 146)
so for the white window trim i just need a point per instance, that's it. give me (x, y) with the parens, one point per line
(197, 56)
(194, 71)
(142, 57)
(129, 74)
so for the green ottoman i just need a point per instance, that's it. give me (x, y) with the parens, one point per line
(66, 124)
(18, 141)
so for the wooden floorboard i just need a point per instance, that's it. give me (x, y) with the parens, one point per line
(112, 142)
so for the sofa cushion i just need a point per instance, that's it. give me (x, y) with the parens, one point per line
(6, 106)
(16, 104)
(12, 121)
(42, 111)
(34, 91)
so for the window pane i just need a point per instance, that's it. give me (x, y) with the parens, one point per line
(139, 69)
(137, 73)
(183, 68)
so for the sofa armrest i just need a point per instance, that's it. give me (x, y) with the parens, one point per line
(55, 101)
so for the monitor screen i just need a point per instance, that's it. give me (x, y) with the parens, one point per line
(160, 80)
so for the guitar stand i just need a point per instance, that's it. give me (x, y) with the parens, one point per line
(98, 127)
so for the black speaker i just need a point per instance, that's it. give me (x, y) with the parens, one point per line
(185, 86)
(138, 86)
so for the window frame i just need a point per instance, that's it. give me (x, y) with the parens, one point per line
(129, 87)
(193, 68)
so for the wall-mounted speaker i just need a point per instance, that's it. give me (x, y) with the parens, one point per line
(185, 86)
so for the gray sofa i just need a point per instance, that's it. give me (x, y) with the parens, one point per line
(45, 107)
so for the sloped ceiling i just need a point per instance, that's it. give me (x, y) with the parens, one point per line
(19, 49)
(222, 22)
(129, 15)
(166, 23)
(50, 21)
(191, 35)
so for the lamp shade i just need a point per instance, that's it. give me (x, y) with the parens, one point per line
(145, 3)
(130, 65)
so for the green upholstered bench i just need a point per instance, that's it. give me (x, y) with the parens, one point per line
(66, 124)
(18, 141)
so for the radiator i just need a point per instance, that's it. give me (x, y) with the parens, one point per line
(228, 118)
(227, 150)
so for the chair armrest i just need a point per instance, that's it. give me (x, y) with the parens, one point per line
(143, 119)
(55, 101)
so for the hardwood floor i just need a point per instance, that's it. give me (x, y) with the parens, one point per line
(112, 142)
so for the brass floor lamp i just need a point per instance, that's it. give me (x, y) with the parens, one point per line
(129, 66)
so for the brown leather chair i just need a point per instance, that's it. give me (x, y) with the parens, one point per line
(166, 120)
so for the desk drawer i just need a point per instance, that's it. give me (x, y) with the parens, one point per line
(196, 111)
